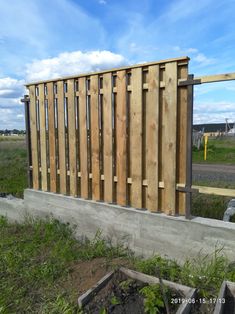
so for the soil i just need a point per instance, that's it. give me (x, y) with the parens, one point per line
(85, 274)
(116, 298)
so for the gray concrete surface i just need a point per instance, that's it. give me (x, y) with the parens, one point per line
(144, 232)
(13, 208)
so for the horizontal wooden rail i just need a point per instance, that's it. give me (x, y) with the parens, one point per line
(207, 79)
(214, 191)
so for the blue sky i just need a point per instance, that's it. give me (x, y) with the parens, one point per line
(42, 39)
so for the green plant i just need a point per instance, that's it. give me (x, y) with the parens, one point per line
(168, 269)
(153, 299)
(125, 284)
(114, 300)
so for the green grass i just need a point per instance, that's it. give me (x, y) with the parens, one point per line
(218, 151)
(13, 167)
(36, 259)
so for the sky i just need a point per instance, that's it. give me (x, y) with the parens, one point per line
(42, 39)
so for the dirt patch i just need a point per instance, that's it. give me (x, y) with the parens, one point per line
(84, 274)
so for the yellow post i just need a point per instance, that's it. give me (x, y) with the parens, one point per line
(205, 146)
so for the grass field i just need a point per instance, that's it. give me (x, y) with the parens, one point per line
(13, 165)
(43, 268)
(221, 150)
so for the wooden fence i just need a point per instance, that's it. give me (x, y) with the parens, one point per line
(117, 136)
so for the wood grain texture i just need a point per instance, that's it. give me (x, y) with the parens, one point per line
(152, 130)
(72, 138)
(52, 144)
(136, 137)
(43, 149)
(182, 139)
(95, 145)
(83, 137)
(108, 138)
(61, 136)
(34, 136)
(170, 109)
(121, 138)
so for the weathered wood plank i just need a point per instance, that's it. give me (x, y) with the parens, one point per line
(95, 145)
(43, 149)
(121, 138)
(83, 137)
(152, 122)
(214, 191)
(136, 138)
(216, 78)
(34, 136)
(170, 108)
(61, 136)
(51, 130)
(108, 139)
(72, 138)
(182, 139)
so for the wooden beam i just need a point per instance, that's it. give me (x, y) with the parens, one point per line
(207, 79)
(214, 191)
(216, 78)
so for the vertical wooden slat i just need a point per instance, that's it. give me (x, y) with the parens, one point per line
(61, 136)
(72, 138)
(42, 111)
(51, 127)
(136, 137)
(107, 142)
(95, 147)
(83, 137)
(170, 129)
(182, 122)
(34, 136)
(152, 137)
(121, 138)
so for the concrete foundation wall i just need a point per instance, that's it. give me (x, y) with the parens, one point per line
(145, 233)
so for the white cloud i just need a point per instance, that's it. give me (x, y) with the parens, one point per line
(102, 2)
(202, 60)
(11, 88)
(213, 112)
(69, 63)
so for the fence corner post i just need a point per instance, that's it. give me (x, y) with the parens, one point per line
(26, 102)
(189, 149)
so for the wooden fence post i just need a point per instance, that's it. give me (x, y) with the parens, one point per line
(189, 150)
(26, 102)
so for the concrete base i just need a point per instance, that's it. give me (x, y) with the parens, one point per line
(145, 233)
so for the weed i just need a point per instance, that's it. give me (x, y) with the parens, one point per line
(153, 300)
